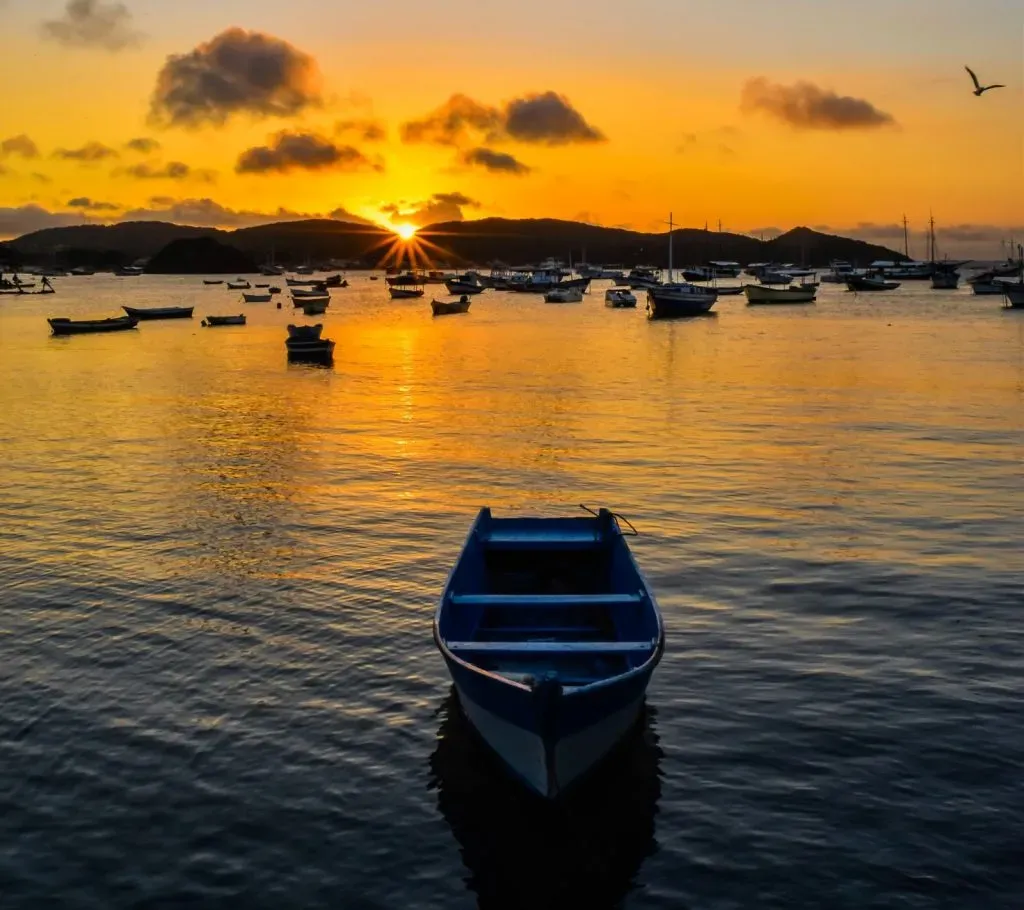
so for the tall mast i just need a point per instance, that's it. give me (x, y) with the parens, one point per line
(670, 248)
(931, 237)
(906, 239)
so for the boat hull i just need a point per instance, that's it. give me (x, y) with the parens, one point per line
(757, 295)
(224, 320)
(663, 304)
(1015, 298)
(171, 312)
(405, 293)
(463, 287)
(549, 750)
(443, 308)
(92, 326)
(871, 284)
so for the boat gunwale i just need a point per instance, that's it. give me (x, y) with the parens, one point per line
(658, 648)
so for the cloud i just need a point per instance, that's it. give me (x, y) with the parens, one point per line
(304, 151)
(89, 153)
(93, 23)
(172, 170)
(19, 145)
(143, 145)
(439, 207)
(545, 118)
(367, 130)
(40, 178)
(208, 213)
(804, 105)
(84, 202)
(496, 162)
(451, 123)
(235, 72)
(548, 118)
(722, 141)
(15, 221)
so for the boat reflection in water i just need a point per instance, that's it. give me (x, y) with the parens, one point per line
(582, 850)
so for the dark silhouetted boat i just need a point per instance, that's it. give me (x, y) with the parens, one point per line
(224, 320)
(620, 298)
(464, 284)
(159, 312)
(449, 307)
(304, 343)
(759, 293)
(404, 293)
(551, 635)
(870, 283)
(63, 326)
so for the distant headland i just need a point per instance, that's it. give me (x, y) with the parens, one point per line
(458, 244)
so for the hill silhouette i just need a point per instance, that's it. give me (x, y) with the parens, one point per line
(200, 256)
(456, 243)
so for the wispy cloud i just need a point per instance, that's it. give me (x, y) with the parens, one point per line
(438, 208)
(545, 118)
(805, 105)
(93, 23)
(90, 153)
(20, 145)
(143, 145)
(92, 205)
(172, 170)
(287, 151)
(236, 72)
(367, 130)
(495, 162)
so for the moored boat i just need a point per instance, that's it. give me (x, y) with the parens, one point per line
(316, 291)
(257, 298)
(757, 294)
(464, 284)
(564, 295)
(1014, 294)
(224, 320)
(239, 286)
(676, 301)
(304, 343)
(945, 280)
(870, 283)
(159, 312)
(316, 307)
(450, 307)
(213, 281)
(550, 634)
(64, 326)
(619, 298)
(404, 293)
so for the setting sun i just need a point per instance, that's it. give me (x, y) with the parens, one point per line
(405, 231)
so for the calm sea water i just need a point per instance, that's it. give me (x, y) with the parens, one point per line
(218, 573)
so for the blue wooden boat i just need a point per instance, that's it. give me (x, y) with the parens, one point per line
(551, 635)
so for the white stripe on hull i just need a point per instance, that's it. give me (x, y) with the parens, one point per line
(524, 751)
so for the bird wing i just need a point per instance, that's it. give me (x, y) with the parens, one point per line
(977, 84)
(987, 87)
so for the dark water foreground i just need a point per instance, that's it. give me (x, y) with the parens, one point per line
(218, 571)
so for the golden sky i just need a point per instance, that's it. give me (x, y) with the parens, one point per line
(807, 113)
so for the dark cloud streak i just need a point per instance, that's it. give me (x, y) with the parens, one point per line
(804, 105)
(288, 151)
(495, 162)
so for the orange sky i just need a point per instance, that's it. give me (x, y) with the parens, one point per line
(674, 133)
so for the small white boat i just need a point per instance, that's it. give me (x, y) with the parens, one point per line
(256, 298)
(619, 298)
(564, 295)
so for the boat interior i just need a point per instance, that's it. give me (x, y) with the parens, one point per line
(531, 597)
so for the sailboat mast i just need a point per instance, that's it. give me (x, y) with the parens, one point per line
(670, 275)
(906, 239)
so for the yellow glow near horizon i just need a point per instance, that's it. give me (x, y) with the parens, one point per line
(405, 231)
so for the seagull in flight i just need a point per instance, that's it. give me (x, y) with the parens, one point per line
(980, 89)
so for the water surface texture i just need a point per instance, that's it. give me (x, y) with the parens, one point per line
(218, 573)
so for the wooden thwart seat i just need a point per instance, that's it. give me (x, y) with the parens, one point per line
(525, 539)
(548, 647)
(545, 600)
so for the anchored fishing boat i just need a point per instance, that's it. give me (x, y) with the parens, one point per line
(449, 308)
(159, 312)
(870, 283)
(257, 298)
(304, 343)
(673, 301)
(757, 294)
(550, 634)
(564, 295)
(619, 298)
(464, 284)
(404, 293)
(224, 320)
(64, 326)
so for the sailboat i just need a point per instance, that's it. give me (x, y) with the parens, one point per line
(671, 300)
(945, 275)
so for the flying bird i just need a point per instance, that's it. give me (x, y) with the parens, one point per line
(980, 89)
